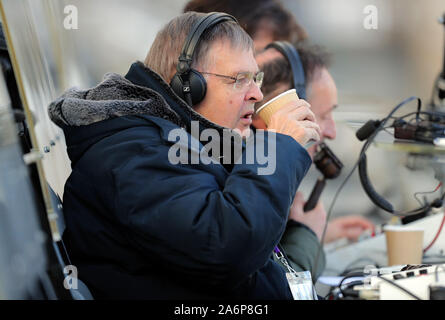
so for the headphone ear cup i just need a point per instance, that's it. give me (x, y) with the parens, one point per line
(177, 85)
(198, 86)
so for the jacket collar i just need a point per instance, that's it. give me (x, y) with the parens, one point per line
(142, 76)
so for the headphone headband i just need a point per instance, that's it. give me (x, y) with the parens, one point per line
(188, 83)
(291, 54)
(213, 18)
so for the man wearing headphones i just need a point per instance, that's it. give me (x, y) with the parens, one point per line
(305, 67)
(140, 225)
(267, 21)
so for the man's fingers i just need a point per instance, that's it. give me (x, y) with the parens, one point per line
(310, 125)
(312, 133)
(301, 113)
(295, 104)
(297, 122)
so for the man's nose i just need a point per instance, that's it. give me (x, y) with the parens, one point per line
(254, 93)
(328, 130)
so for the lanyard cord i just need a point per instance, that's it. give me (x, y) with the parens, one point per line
(280, 255)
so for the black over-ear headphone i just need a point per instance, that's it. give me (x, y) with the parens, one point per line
(368, 132)
(188, 83)
(291, 54)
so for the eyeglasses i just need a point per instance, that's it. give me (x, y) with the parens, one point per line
(242, 79)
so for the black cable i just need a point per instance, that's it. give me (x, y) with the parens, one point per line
(362, 152)
(383, 122)
(426, 192)
(435, 94)
(416, 113)
(338, 192)
(400, 287)
(320, 246)
(371, 193)
(386, 130)
(418, 200)
(348, 292)
(351, 275)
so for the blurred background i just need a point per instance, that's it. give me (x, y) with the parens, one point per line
(374, 69)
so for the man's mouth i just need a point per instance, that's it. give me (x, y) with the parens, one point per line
(247, 115)
(246, 119)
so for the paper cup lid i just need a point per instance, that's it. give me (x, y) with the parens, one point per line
(275, 98)
(401, 228)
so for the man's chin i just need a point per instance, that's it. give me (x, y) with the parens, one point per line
(243, 131)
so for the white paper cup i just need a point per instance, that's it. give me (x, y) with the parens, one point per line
(273, 105)
(404, 245)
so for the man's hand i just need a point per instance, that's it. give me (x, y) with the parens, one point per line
(350, 227)
(315, 219)
(296, 119)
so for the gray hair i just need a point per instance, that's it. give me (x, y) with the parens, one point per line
(163, 55)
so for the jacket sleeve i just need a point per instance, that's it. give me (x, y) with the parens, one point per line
(200, 226)
(300, 245)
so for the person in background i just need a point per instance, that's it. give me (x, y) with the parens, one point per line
(264, 20)
(321, 94)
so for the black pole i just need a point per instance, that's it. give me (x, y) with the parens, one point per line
(441, 91)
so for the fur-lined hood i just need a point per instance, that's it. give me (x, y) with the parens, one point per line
(117, 96)
(114, 97)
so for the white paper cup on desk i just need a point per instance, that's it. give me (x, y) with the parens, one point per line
(273, 105)
(404, 245)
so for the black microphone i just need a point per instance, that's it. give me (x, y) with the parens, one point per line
(315, 195)
(330, 166)
(367, 129)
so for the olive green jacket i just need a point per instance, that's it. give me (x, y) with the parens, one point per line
(300, 246)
